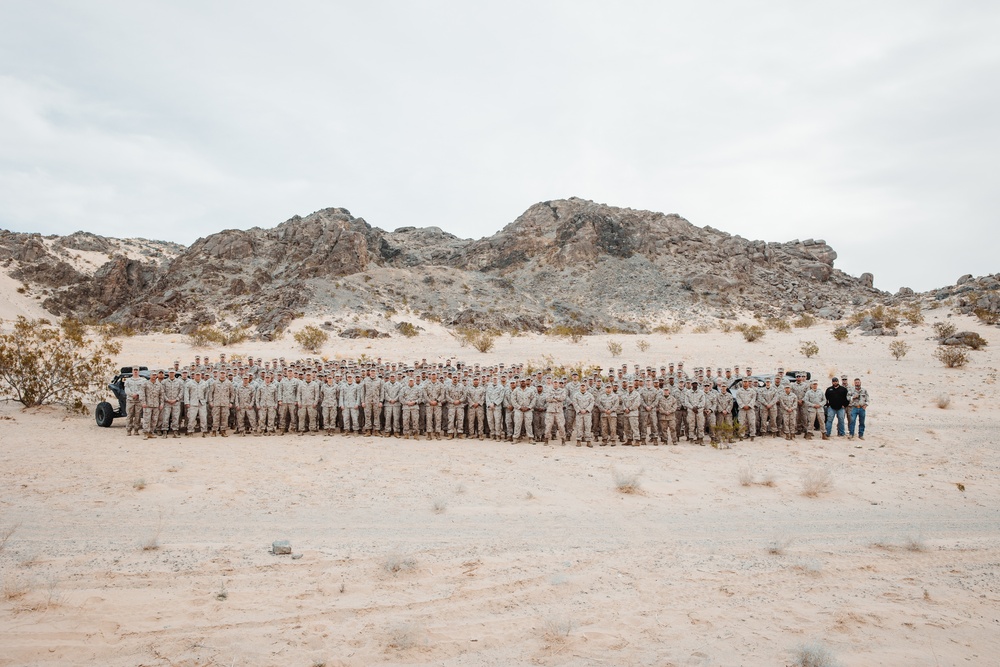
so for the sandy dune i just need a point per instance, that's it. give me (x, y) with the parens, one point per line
(535, 558)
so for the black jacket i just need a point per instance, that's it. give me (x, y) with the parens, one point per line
(836, 397)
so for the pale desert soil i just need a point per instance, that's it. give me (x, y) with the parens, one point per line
(535, 558)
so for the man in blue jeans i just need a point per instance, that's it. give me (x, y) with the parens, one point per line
(858, 405)
(836, 404)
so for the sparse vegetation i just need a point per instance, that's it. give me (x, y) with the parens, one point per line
(813, 655)
(407, 329)
(484, 341)
(809, 348)
(987, 316)
(776, 546)
(615, 348)
(899, 348)
(778, 324)
(751, 332)
(206, 336)
(745, 474)
(403, 636)
(439, 505)
(912, 314)
(311, 338)
(45, 363)
(223, 594)
(702, 328)
(558, 629)
(914, 543)
(943, 401)
(951, 357)
(944, 330)
(139, 484)
(14, 588)
(6, 534)
(669, 329)
(973, 340)
(574, 333)
(804, 321)
(627, 482)
(816, 481)
(397, 562)
(642, 344)
(840, 333)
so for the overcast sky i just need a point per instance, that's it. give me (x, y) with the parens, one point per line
(872, 125)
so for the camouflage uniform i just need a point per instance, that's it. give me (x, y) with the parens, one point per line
(583, 406)
(392, 392)
(411, 396)
(477, 409)
(555, 415)
(609, 404)
(134, 392)
(666, 410)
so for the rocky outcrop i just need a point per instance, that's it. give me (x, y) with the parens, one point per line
(571, 261)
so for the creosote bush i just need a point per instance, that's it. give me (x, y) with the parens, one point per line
(804, 321)
(484, 341)
(41, 362)
(752, 332)
(951, 357)
(205, 336)
(615, 348)
(944, 330)
(899, 348)
(407, 329)
(311, 338)
(809, 348)
(778, 324)
(642, 345)
(840, 333)
(987, 316)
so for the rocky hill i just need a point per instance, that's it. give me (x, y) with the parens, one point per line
(566, 262)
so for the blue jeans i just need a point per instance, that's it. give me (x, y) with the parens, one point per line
(859, 415)
(830, 413)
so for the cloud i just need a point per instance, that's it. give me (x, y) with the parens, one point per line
(870, 126)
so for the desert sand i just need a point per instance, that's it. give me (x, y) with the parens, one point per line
(128, 552)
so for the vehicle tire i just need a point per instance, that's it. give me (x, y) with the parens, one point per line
(104, 414)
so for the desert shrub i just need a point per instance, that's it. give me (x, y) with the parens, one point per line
(888, 318)
(627, 482)
(726, 326)
(396, 562)
(311, 338)
(116, 330)
(614, 347)
(951, 357)
(702, 328)
(804, 321)
(943, 330)
(205, 336)
(809, 348)
(752, 332)
(484, 341)
(47, 363)
(574, 333)
(816, 481)
(899, 348)
(745, 475)
(840, 333)
(987, 316)
(407, 329)
(778, 324)
(813, 655)
(642, 345)
(943, 401)
(973, 340)
(912, 314)
(669, 329)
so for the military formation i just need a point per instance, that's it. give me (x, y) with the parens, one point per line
(630, 406)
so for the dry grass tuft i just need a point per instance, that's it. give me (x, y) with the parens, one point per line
(397, 562)
(403, 636)
(139, 484)
(627, 482)
(557, 629)
(777, 545)
(816, 481)
(914, 543)
(943, 401)
(6, 534)
(439, 505)
(745, 474)
(15, 588)
(813, 655)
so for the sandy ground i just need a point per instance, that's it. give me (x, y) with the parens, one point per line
(533, 556)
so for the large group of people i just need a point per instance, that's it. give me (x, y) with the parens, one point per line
(632, 406)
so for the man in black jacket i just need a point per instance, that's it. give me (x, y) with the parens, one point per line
(836, 404)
